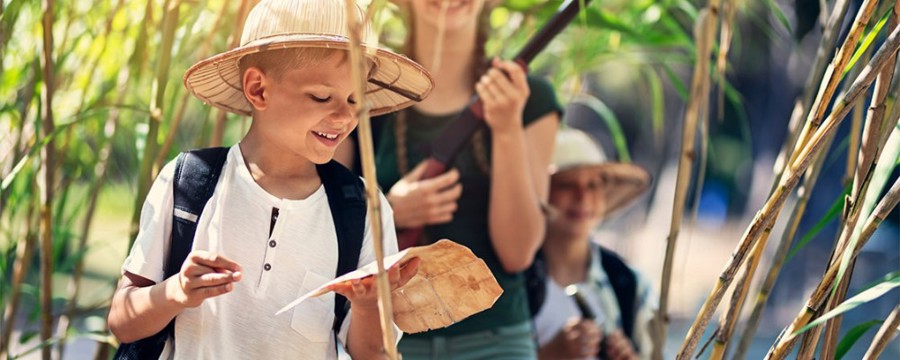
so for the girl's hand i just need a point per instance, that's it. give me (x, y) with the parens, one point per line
(503, 91)
(418, 203)
(617, 347)
(203, 275)
(363, 294)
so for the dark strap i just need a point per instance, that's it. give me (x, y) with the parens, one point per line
(196, 175)
(348, 209)
(624, 284)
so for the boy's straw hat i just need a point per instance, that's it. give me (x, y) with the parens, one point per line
(624, 182)
(395, 82)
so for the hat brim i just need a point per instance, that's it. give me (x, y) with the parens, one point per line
(396, 83)
(625, 183)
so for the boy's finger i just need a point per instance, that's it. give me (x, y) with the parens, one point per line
(194, 270)
(442, 181)
(212, 279)
(208, 292)
(515, 72)
(408, 270)
(450, 194)
(215, 260)
(416, 172)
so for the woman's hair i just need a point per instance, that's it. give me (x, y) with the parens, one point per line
(481, 66)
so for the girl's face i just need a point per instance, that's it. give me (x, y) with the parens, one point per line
(577, 195)
(460, 14)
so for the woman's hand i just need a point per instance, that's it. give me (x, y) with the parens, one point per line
(363, 294)
(503, 91)
(579, 339)
(418, 202)
(203, 275)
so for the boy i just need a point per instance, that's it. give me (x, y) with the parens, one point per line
(612, 320)
(267, 235)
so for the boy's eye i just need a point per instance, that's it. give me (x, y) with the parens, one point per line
(351, 100)
(320, 99)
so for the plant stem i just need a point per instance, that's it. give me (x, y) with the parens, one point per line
(885, 334)
(47, 182)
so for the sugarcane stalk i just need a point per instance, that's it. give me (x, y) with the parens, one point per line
(367, 158)
(218, 132)
(887, 332)
(780, 256)
(48, 179)
(148, 161)
(835, 71)
(784, 344)
(786, 186)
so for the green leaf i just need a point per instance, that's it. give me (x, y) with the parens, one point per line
(860, 299)
(612, 122)
(779, 14)
(832, 214)
(657, 101)
(680, 88)
(867, 40)
(852, 336)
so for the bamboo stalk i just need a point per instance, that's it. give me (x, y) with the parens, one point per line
(780, 349)
(218, 132)
(786, 186)
(729, 318)
(148, 169)
(100, 172)
(48, 180)
(780, 256)
(24, 257)
(367, 157)
(724, 46)
(835, 70)
(887, 332)
(803, 104)
(704, 33)
(810, 340)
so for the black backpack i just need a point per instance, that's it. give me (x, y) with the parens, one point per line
(622, 278)
(196, 175)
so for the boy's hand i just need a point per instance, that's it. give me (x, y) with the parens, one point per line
(580, 338)
(617, 347)
(362, 293)
(203, 275)
(503, 91)
(417, 203)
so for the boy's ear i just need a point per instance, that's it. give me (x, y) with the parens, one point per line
(254, 85)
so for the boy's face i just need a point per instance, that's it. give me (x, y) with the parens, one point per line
(577, 195)
(307, 111)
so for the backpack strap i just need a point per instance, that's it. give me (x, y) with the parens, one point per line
(348, 209)
(624, 284)
(196, 175)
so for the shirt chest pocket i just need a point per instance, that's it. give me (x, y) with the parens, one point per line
(314, 317)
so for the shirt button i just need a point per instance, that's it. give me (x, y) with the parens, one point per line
(267, 267)
(272, 243)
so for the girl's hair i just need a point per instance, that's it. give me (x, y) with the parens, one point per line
(479, 150)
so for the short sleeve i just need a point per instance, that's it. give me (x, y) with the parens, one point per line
(541, 102)
(367, 255)
(148, 254)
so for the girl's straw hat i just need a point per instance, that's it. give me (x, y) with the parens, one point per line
(395, 81)
(624, 182)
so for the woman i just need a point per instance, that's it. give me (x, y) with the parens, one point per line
(612, 320)
(490, 200)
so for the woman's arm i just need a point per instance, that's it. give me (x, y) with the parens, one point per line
(520, 157)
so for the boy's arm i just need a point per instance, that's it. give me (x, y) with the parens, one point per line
(141, 308)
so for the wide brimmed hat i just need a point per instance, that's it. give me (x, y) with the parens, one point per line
(394, 83)
(576, 150)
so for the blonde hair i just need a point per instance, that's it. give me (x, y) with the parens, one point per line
(276, 62)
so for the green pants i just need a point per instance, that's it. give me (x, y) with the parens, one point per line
(513, 342)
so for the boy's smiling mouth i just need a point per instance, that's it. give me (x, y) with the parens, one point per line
(327, 135)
